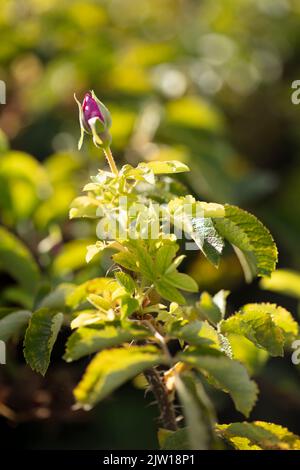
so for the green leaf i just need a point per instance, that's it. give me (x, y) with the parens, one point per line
(169, 292)
(247, 353)
(141, 173)
(84, 206)
(96, 286)
(207, 239)
(71, 257)
(161, 167)
(181, 281)
(257, 325)
(93, 250)
(197, 411)
(209, 309)
(145, 262)
(13, 323)
(129, 305)
(220, 300)
(173, 440)
(255, 246)
(193, 218)
(126, 281)
(99, 302)
(40, 337)
(111, 368)
(164, 257)
(284, 281)
(57, 298)
(266, 325)
(197, 333)
(126, 260)
(227, 374)
(258, 435)
(87, 340)
(87, 317)
(16, 260)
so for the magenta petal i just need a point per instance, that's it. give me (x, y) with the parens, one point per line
(91, 109)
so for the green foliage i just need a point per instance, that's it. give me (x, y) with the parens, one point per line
(266, 325)
(283, 281)
(17, 260)
(209, 308)
(247, 353)
(119, 318)
(256, 248)
(226, 374)
(87, 340)
(173, 440)
(111, 368)
(258, 436)
(40, 337)
(258, 327)
(126, 322)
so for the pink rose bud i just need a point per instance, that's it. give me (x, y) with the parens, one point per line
(91, 109)
(94, 119)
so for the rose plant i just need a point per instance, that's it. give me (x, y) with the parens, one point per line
(147, 317)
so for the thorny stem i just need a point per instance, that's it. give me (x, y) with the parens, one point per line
(110, 160)
(167, 413)
(158, 387)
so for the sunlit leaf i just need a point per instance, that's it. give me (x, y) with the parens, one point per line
(71, 257)
(247, 353)
(87, 340)
(181, 281)
(111, 368)
(126, 281)
(160, 167)
(97, 286)
(255, 245)
(258, 326)
(258, 435)
(284, 281)
(84, 206)
(209, 309)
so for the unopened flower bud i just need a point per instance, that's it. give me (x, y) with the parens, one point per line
(94, 119)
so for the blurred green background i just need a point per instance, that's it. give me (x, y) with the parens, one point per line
(208, 83)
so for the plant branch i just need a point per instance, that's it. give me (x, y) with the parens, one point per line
(159, 390)
(158, 387)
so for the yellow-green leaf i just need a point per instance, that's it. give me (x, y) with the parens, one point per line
(257, 325)
(258, 435)
(87, 340)
(283, 281)
(172, 166)
(111, 368)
